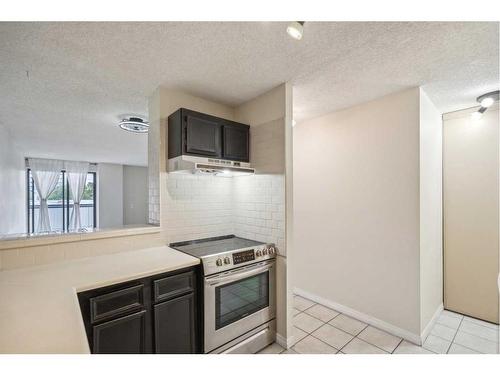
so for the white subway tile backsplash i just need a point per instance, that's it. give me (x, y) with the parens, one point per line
(209, 206)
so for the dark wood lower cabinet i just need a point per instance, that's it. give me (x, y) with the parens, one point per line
(173, 325)
(126, 335)
(133, 317)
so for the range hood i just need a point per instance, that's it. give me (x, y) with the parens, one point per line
(200, 165)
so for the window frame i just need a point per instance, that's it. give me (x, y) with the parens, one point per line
(30, 194)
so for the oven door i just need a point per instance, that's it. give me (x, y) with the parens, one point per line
(238, 301)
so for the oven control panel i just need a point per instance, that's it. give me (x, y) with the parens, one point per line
(233, 259)
(243, 256)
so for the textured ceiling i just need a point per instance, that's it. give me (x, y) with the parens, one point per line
(65, 85)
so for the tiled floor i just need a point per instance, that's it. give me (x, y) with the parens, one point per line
(320, 330)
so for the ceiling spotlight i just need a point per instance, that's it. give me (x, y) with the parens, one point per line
(134, 125)
(296, 29)
(488, 99)
(487, 102)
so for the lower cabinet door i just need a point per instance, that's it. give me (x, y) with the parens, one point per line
(175, 326)
(126, 335)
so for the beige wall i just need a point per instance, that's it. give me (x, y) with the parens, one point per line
(356, 209)
(431, 217)
(471, 225)
(52, 251)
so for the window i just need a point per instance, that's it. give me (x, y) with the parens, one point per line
(60, 203)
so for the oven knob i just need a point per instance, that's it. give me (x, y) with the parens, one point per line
(265, 251)
(218, 262)
(258, 253)
(227, 260)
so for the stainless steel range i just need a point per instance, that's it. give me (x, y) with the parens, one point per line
(239, 292)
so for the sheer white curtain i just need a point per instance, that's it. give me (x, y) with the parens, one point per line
(76, 173)
(45, 174)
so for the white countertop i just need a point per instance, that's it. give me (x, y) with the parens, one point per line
(39, 310)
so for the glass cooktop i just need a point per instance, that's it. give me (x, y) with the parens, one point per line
(214, 245)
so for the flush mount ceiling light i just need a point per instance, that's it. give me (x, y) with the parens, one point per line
(134, 125)
(485, 101)
(295, 29)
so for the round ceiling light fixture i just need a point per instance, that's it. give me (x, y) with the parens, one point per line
(295, 29)
(485, 101)
(488, 99)
(134, 125)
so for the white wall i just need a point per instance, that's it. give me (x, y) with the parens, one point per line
(135, 195)
(110, 195)
(12, 186)
(356, 209)
(431, 216)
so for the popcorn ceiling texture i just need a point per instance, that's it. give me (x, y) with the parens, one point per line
(81, 75)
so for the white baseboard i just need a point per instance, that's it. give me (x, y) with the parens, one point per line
(284, 342)
(368, 319)
(431, 323)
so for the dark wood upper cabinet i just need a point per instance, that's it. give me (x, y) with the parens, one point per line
(236, 141)
(202, 136)
(198, 134)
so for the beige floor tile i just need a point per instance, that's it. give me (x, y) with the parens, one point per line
(444, 332)
(479, 330)
(306, 322)
(459, 349)
(311, 345)
(476, 343)
(322, 313)
(301, 303)
(289, 351)
(298, 334)
(295, 311)
(348, 324)
(436, 344)
(380, 339)
(409, 348)
(449, 321)
(274, 348)
(357, 346)
(332, 336)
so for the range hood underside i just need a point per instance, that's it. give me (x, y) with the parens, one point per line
(200, 165)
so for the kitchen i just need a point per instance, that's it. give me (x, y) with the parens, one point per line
(227, 210)
(205, 207)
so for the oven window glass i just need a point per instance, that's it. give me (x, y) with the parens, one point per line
(241, 298)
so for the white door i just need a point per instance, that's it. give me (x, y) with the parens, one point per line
(470, 213)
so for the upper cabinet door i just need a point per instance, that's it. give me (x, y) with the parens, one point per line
(203, 136)
(236, 142)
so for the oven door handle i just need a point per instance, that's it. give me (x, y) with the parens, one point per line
(239, 274)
